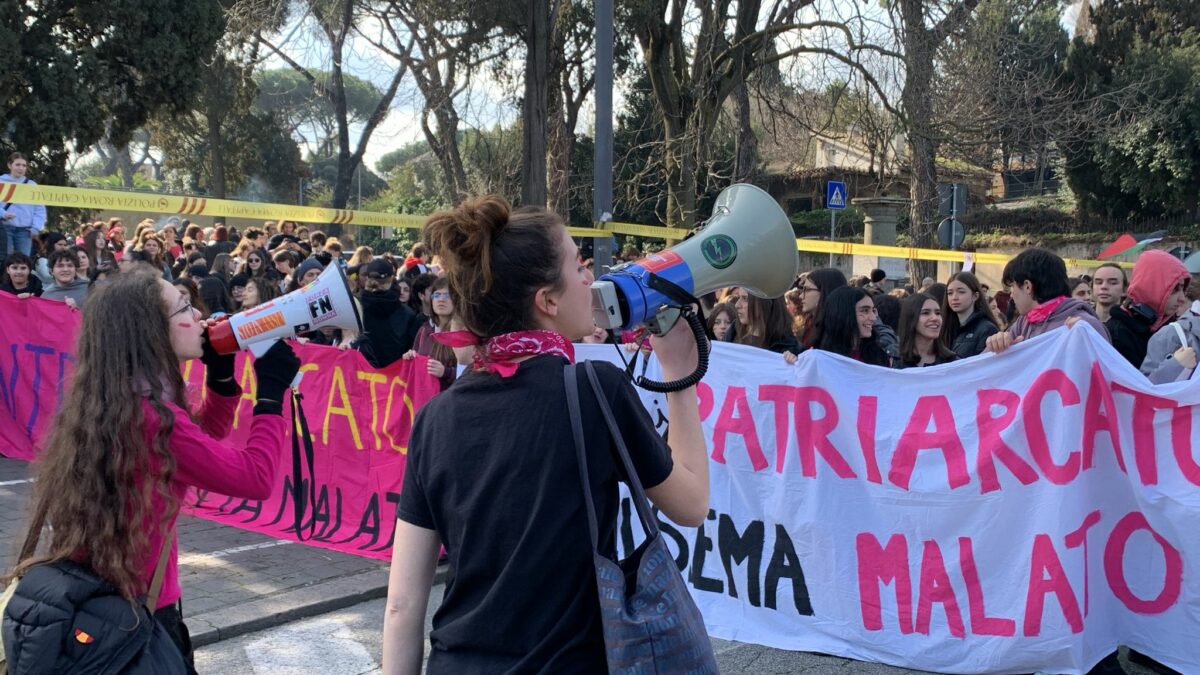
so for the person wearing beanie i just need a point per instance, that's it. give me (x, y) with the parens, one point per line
(237, 289)
(197, 271)
(308, 270)
(389, 326)
(1157, 291)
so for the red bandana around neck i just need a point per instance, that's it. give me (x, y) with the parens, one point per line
(1043, 311)
(500, 354)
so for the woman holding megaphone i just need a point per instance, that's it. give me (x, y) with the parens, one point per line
(125, 447)
(492, 469)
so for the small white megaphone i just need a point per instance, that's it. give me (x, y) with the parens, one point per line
(748, 242)
(326, 302)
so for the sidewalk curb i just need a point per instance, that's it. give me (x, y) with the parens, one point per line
(300, 603)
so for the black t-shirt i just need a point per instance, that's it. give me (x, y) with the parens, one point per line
(491, 467)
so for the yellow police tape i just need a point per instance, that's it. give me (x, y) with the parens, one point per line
(842, 248)
(142, 202)
(86, 198)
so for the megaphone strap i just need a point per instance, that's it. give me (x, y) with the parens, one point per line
(300, 500)
(670, 289)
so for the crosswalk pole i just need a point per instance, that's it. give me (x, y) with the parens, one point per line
(832, 230)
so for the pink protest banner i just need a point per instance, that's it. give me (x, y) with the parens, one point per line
(359, 420)
(37, 346)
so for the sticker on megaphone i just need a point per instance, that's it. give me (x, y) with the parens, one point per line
(748, 242)
(325, 303)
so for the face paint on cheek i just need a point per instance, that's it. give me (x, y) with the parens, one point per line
(184, 324)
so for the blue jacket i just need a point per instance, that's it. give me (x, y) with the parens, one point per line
(32, 216)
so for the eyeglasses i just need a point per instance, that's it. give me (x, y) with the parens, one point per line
(187, 307)
(809, 289)
(440, 295)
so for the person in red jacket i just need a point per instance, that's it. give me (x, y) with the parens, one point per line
(125, 447)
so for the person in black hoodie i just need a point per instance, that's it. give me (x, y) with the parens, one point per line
(389, 326)
(18, 278)
(967, 318)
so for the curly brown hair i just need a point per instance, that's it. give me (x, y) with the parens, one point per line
(496, 260)
(99, 484)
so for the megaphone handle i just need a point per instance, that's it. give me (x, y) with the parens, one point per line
(260, 348)
(698, 332)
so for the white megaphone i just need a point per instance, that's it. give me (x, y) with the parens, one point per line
(748, 242)
(326, 302)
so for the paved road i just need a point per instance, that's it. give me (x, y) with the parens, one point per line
(347, 642)
(236, 581)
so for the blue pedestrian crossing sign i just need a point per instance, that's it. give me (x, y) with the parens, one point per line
(835, 195)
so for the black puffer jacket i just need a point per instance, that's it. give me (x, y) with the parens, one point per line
(63, 619)
(972, 335)
(389, 327)
(1131, 331)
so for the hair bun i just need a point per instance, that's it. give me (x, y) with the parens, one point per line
(490, 213)
(463, 237)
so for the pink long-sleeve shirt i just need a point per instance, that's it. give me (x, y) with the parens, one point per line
(203, 461)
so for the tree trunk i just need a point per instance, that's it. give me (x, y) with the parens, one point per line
(918, 104)
(345, 168)
(681, 179)
(558, 151)
(533, 108)
(448, 132)
(558, 180)
(125, 164)
(443, 142)
(216, 154)
(1040, 180)
(746, 163)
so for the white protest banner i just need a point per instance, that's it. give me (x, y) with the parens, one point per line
(1016, 513)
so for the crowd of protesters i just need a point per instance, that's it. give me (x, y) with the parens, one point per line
(224, 271)
(1152, 318)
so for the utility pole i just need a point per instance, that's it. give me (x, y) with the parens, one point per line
(602, 162)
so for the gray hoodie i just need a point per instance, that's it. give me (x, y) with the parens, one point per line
(1069, 308)
(76, 289)
(1159, 365)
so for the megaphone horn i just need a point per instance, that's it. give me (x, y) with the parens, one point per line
(326, 302)
(748, 242)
